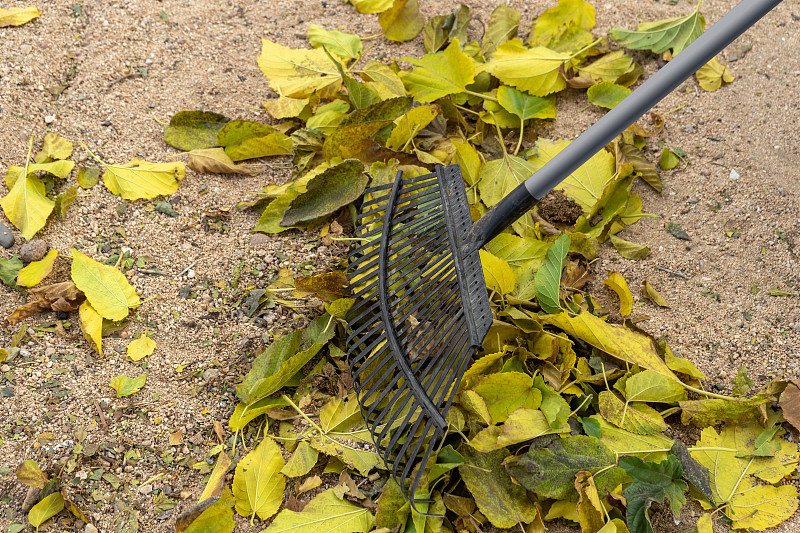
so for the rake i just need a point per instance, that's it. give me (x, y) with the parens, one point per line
(421, 305)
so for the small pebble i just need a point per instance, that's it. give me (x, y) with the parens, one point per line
(25, 49)
(49, 119)
(190, 274)
(89, 529)
(4, 368)
(6, 237)
(146, 489)
(734, 175)
(33, 250)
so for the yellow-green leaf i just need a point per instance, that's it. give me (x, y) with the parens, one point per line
(629, 250)
(36, 271)
(505, 392)
(47, 508)
(609, 67)
(383, 80)
(216, 161)
(371, 6)
(194, 130)
(137, 179)
(557, 21)
(712, 75)
(17, 16)
(669, 159)
(29, 473)
(547, 280)
(26, 205)
(652, 448)
(517, 251)
(617, 341)
(498, 275)
(54, 147)
(638, 418)
(617, 283)
(534, 70)
(126, 386)
(440, 74)
(245, 139)
(402, 21)
(344, 45)
(91, 325)
(285, 107)
(503, 25)
(501, 176)
(524, 105)
(258, 484)
(141, 347)
(302, 460)
(297, 73)
(65, 200)
(328, 513)
(340, 414)
(209, 516)
(659, 36)
(650, 386)
(88, 177)
(607, 94)
(104, 286)
(409, 125)
(651, 294)
(216, 481)
(270, 221)
(586, 184)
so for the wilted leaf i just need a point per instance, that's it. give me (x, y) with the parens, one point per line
(298, 73)
(652, 483)
(502, 27)
(607, 94)
(590, 508)
(790, 403)
(47, 508)
(302, 461)
(617, 283)
(194, 130)
(62, 296)
(91, 325)
(659, 36)
(498, 498)
(29, 473)
(104, 286)
(344, 45)
(556, 22)
(65, 200)
(54, 147)
(439, 74)
(709, 411)
(26, 205)
(402, 21)
(216, 481)
(258, 484)
(410, 124)
(498, 275)
(535, 70)
(36, 271)
(326, 512)
(215, 160)
(550, 471)
(327, 192)
(712, 75)
(88, 177)
(441, 29)
(650, 386)
(628, 153)
(639, 418)
(214, 515)
(141, 347)
(693, 472)
(9, 269)
(346, 141)
(328, 286)
(548, 278)
(629, 250)
(126, 386)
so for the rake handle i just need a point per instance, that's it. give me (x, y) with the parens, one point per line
(526, 195)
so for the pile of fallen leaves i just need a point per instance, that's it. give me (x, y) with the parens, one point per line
(565, 414)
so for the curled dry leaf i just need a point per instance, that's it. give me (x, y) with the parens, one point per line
(215, 161)
(63, 296)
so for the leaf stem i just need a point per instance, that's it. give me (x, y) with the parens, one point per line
(481, 95)
(709, 394)
(738, 481)
(301, 413)
(92, 154)
(521, 131)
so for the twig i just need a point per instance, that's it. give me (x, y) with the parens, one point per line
(673, 272)
(128, 76)
(103, 421)
(546, 226)
(153, 271)
(185, 270)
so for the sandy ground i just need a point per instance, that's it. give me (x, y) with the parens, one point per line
(202, 55)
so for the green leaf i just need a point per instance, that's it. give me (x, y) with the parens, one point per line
(638, 418)
(556, 22)
(29, 473)
(344, 45)
(439, 74)
(534, 70)
(548, 277)
(505, 392)
(650, 386)
(273, 214)
(36, 271)
(105, 287)
(47, 508)
(607, 94)
(258, 483)
(126, 386)
(402, 21)
(499, 499)
(498, 275)
(244, 139)
(503, 26)
(585, 185)
(629, 250)
(652, 483)
(193, 130)
(302, 460)
(651, 294)
(555, 408)
(524, 105)
(617, 283)
(550, 472)
(327, 513)
(659, 36)
(9, 269)
(327, 192)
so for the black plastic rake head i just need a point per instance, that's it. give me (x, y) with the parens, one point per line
(421, 311)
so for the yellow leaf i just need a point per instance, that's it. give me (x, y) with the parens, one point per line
(617, 283)
(309, 483)
(35, 272)
(91, 325)
(302, 460)
(713, 74)
(586, 184)
(590, 508)
(217, 478)
(608, 67)
(285, 107)
(60, 169)
(297, 73)
(326, 513)
(639, 418)
(215, 160)
(139, 179)
(104, 286)
(258, 484)
(175, 438)
(651, 294)
(383, 80)
(17, 16)
(617, 341)
(439, 74)
(410, 124)
(498, 275)
(29, 473)
(402, 21)
(46, 509)
(534, 70)
(371, 6)
(705, 525)
(551, 25)
(141, 347)
(54, 147)
(126, 386)
(26, 205)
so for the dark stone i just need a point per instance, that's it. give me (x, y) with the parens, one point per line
(6, 237)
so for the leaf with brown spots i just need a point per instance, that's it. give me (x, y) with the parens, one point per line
(62, 296)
